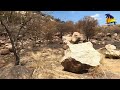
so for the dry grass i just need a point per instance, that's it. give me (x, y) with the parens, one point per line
(46, 64)
(110, 69)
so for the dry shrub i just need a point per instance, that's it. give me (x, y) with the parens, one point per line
(110, 29)
(88, 26)
(65, 28)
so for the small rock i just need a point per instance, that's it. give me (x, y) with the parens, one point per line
(115, 34)
(9, 46)
(109, 34)
(94, 41)
(103, 42)
(2, 42)
(4, 51)
(65, 47)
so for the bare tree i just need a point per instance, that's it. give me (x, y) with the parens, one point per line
(88, 25)
(14, 23)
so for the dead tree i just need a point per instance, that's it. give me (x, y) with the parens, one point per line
(6, 20)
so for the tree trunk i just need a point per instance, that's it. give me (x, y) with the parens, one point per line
(87, 38)
(17, 58)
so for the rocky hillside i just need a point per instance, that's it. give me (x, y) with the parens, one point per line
(108, 35)
(45, 55)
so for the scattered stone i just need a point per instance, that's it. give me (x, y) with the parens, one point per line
(110, 51)
(4, 51)
(2, 42)
(108, 34)
(110, 47)
(115, 54)
(66, 39)
(115, 34)
(9, 46)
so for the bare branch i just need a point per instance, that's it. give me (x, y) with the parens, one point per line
(22, 26)
(10, 16)
(7, 30)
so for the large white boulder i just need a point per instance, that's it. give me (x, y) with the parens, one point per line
(84, 53)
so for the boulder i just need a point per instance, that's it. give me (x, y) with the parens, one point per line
(110, 47)
(111, 51)
(66, 39)
(71, 65)
(76, 37)
(4, 51)
(84, 53)
(115, 54)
